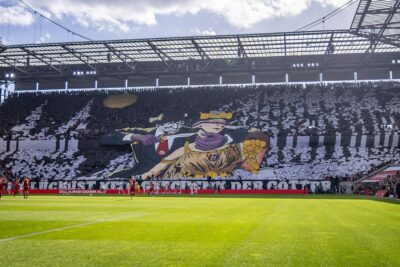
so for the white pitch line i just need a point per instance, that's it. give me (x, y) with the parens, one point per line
(64, 228)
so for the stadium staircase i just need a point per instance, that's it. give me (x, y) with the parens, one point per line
(375, 172)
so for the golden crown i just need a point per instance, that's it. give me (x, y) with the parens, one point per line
(216, 115)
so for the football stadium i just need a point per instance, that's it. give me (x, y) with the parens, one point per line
(223, 145)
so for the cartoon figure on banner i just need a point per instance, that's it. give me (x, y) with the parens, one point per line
(211, 147)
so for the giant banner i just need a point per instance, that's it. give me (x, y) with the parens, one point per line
(210, 147)
(180, 184)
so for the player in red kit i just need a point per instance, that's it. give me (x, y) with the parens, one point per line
(3, 183)
(132, 186)
(26, 184)
(16, 187)
(11, 190)
(151, 189)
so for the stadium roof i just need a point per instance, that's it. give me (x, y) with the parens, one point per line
(185, 48)
(380, 19)
(374, 30)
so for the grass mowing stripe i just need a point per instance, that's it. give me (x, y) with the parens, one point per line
(201, 231)
(68, 227)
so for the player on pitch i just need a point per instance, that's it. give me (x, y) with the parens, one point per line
(26, 184)
(15, 187)
(132, 186)
(3, 183)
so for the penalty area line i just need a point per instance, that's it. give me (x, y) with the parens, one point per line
(66, 228)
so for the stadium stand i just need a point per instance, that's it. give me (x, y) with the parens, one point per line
(317, 131)
(366, 109)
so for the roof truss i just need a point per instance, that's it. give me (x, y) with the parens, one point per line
(161, 54)
(380, 19)
(203, 55)
(15, 67)
(123, 57)
(169, 51)
(241, 50)
(42, 58)
(83, 58)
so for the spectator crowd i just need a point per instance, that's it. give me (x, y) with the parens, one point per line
(288, 113)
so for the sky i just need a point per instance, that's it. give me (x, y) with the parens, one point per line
(131, 19)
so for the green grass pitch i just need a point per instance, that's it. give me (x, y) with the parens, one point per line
(198, 231)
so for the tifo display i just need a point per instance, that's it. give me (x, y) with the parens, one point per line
(334, 133)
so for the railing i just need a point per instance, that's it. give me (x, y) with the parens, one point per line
(304, 84)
